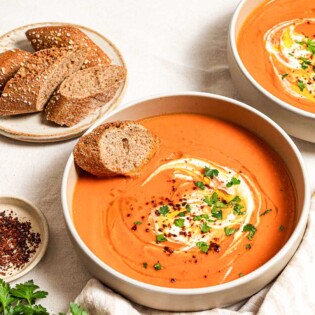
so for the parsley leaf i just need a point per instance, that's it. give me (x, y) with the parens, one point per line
(160, 238)
(281, 228)
(265, 212)
(305, 63)
(200, 217)
(204, 227)
(233, 181)
(164, 210)
(137, 223)
(284, 76)
(301, 85)
(203, 246)
(216, 213)
(310, 46)
(181, 214)
(235, 199)
(77, 310)
(237, 209)
(229, 231)
(211, 172)
(251, 229)
(248, 246)
(212, 199)
(199, 184)
(5, 298)
(179, 222)
(157, 266)
(188, 208)
(240, 275)
(145, 265)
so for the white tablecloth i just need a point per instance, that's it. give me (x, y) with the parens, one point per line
(169, 46)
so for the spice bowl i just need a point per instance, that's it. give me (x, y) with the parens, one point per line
(195, 299)
(24, 230)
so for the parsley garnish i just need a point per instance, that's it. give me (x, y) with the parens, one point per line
(233, 181)
(235, 199)
(160, 238)
(181, 214)
(203, 246)
(157, 266)
(265, 212)
(240, 275)
(237, 209)
(211, 172)
(216, 213)
(145, 265)
(204, 227)
(310, 46)
(229, 231)
(305, 63)
(290, 54)
(137, 223)
(301, 85)
(188, 208)
(251, 230)
(199, 184)
(248, 246)
(200, 217)
(212, 199)
(284, 76)
(179, 222)
(281, 228)
(164, 210)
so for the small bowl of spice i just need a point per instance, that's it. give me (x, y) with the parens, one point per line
(23, 237)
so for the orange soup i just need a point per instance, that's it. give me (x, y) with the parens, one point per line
(277, 46)
(214, 204)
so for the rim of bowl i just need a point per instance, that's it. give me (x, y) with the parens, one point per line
(296, 234)
(247, 74)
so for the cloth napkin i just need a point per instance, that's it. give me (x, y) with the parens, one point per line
(293, 292)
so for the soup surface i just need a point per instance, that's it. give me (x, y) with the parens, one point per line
(277, 46)
(214, 204)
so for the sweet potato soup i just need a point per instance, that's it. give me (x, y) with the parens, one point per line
(277, 46)
(214, 204)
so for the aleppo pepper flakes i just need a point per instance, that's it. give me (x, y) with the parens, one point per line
(17, 242)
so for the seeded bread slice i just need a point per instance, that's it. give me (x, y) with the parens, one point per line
(84, 92)
(116, 148)
(10, 62)
(33, 84)
(67, 36)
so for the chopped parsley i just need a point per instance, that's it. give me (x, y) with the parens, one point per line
(203, 246)
(305, 63)
(157, 266)
(301, 85)
(216, 213)
(265, 212)
(251, 230)
(237, 209)
(284, 76)
(310, 46)
(233, 181)
(160, 238)
(212, 199)
(229, 231)
(240, 275)
(235, 199)
(181, 214)
(179, 222)
(200, 217)
(220, 204)
(200, 185)
(137, 223)
(290, 54)
(211, 172)
(204, 227)
(188, 208)
(248, 246)
(145, 265)
(281, 228)
(164, 210)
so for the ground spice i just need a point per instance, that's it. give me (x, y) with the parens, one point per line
(17, 242)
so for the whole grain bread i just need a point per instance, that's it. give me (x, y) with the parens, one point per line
(69, 37)
(84, 92)
(33, 84)
(10, 62)
(116, 148)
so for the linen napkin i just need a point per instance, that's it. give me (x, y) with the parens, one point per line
(293, 292)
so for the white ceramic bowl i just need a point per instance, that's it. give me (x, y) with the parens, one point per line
(208, 297)
(295, 121)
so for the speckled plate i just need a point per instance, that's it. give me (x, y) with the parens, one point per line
(34, 127)
(25, 211)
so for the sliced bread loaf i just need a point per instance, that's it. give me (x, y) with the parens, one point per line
(10, 62)
(67, 36)
(33, 84)
(116, 148)
(83, 92)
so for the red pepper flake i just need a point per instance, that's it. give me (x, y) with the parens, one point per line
(172, 280)
(134, 227)
(17, 242)
(215, 247)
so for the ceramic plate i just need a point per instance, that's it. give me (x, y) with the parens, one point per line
(34, 127)
(25, 211)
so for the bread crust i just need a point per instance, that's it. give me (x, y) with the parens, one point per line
(68, 111)
(69, 37)
(10, 62)
(26, 91)
(88, 155)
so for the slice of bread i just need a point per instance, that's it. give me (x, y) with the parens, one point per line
(84, 92)
(116, 148)
(33, 84)
(67, 36)
(10, 62)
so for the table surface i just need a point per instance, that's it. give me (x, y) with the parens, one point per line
(169, 46)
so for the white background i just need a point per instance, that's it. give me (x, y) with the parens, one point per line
(169, 46)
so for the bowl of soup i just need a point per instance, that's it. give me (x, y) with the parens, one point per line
(271, 54)
(212, 218)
